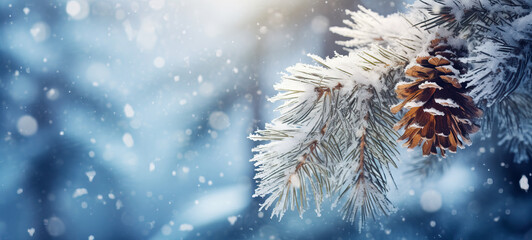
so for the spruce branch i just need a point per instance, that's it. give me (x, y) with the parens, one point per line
(511, 119)
(334, 136)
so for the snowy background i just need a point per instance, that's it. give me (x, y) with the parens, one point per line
(128, 120)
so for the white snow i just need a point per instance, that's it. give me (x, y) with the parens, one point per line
(232, 220)
(79, 192)
(446, 102)
(26, 10)
(73, 8)
(52, 94)
(90, 175)
(128, 140)
(186, 227)
(414, 104)
(20, 191)
(429, 85)
(77, 9)
(31, 231)
(433, 223)
(40, 31)
(152, 167)
(294, 180)
(118, 204)
(523, 183)
(433, 111)
(201, 179)
(430, 201)
(27, 125)
(159, 62)
(128, 110)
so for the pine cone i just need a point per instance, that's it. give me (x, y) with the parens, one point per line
(441, 112)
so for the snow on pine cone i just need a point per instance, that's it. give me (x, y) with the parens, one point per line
(440, 111)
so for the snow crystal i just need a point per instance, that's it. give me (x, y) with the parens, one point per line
(232, 220)
(185, 169)
(128, 110)
(433, 111)
(430, 201)
(52, 94)
(90, 175)
(111, 196)
(91, 237)
(20, 191)
(433, 223)
(201, 179)
(31, 231)
(26, 10)
(79, 192)
(523, 183)
(73, 8)
(128, 140)
(152, 167)
(27, 125)
(219, 120)
(446, 102)
(186, 227)
(159, 62)
(40, 31)
(77, 9)
(118, 205)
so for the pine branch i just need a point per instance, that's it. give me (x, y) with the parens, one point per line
(320, 123)
(512, 119)
(473, 16)
(500, 36)
(421, 167)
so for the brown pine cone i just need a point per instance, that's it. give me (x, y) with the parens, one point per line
(441, 112)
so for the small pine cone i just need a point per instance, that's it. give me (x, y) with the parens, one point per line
(441, 112)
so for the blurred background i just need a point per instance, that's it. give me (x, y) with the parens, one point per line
(128, 120)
